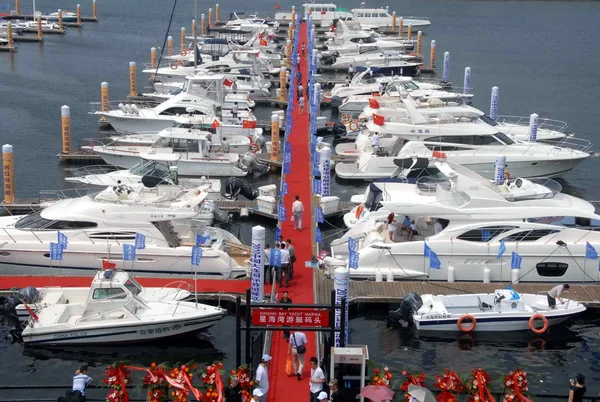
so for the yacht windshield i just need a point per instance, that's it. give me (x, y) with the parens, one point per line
(488, 120)
(503, 138)
(410, 86)
(133, 287)
(151, 169)
(33, 221)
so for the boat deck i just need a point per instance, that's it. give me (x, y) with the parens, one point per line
(393, 292)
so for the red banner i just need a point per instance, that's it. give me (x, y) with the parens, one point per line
(275, 317)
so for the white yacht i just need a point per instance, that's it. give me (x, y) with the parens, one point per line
(469, 142)
(349, 37)
(96, 232)
(193, 153)
(547, 229)
(375, 59)
(113, 310)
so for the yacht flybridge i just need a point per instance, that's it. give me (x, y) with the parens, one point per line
(96, 232)
(549, 230)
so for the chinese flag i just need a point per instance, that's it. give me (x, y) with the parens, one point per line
(215, 124)
(227, 82)
(373, 104)
(277, 7)
(323, 12)
(260, 36)
(263, 42)
(31, 312)
(108, 265)
(378, 120)
(248, 123)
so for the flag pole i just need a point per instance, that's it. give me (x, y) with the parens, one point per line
(584, 268)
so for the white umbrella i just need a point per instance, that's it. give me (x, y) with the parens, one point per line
(421, 394)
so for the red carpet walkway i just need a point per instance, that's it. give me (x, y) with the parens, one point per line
(282, 387)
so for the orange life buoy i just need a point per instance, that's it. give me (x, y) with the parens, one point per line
(353, 126)
(532, 327)
(174, 65)
(359, 210)
(183, 52)
(346, 118)
(254, 147)
(463, 328)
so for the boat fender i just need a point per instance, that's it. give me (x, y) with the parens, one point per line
(254, 147)
(359, 211)
(532, 327)
(463, 328)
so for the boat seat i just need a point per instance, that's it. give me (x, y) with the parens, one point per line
(483, 306)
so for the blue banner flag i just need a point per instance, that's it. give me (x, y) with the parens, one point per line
(501, 249)
(434, 261)
(316, 186)
(128, 252)
(196, 255)
(319, 217)
(590, 251)
(286, 168)
(276, 258)
(140, 241)
(284, 187)
(63, 241)
(56, 251)
(277, 233)
(318, 236)
(200, 240)
(351, 244)
(353, 260)
(515, 261)
(426, 250)
(281, 214)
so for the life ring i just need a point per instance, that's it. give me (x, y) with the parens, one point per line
(353, 126)
(174, 65)
(532, 327)
(346, 118)
(359, 210)
(463, 328)
(254, 147)
(183, 52)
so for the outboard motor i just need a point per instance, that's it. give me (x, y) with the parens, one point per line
(338, 128)
(253, 165)
(411, 303)
(259, 140)
(218, 214)
(234, 187)
(328, 60)
(8, 308)
(29, 295)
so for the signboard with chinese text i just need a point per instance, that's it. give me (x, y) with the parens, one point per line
(300, 317)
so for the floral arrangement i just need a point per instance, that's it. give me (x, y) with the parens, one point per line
(245, 380)
(449, 384)
(180, 383)
(381, 378)
(479, 385)
(117, 377)
(515, 386)
(213, 385)
(154, 381)
(412, 379)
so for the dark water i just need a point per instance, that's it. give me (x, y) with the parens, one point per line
(542, 55)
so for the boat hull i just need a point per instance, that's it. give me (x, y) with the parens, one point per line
(137, 125)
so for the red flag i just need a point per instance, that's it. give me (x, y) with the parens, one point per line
(31, 312)
(378, 120)
(323, 12)
(323, 254)
(263, 42)
(375, 94)
(215, 124)
(227, 82)
(248, 123)
(277, 7)
(108, 265)
(373, 104)
(260, 36)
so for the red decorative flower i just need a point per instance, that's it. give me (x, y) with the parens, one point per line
(414, 379)
(515, 386)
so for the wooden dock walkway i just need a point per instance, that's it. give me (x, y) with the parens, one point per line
(394, 292)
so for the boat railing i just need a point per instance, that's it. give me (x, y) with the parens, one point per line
(543, 123)
(181, 285)
(574, 143)
(428, 185)
(96, 107)
(50, 195)
(93, 170)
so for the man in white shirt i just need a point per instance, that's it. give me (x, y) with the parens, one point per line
(317, 378)
(285, 264)
(351, 72)
(437, 228)
(262, 377)
(298, 210)
(412, 230)
(375, 143)
(224, 145)
(556, 293)
(298, 341)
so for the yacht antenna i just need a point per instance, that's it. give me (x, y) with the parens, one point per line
(195, 35)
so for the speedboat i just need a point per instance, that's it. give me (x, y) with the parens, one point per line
(67, 16)
(349, 37)
(97, 232)
(373, 58)
(501, 311)
(483, 223)
(114, 310)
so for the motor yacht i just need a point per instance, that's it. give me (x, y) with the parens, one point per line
(350, 38)
(373, 58)
(113, 309)
(96, 232)
(482, 224)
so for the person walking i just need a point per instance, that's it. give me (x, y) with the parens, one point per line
(276, 262)
(262, 377)
(297, 210)
(80, 381)
(303, 49)
(298, 343)
(301, 105)
(556, 293)
(334, 391)
(285, 265)
(317, 379)
(577, 388)
(233, 391)
(224, 145)
(286, 300)
(292, 250)
(300, 91)
(351, 72)
(375, 143)
(267, 264)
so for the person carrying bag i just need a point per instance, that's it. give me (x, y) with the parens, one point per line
(298, 345)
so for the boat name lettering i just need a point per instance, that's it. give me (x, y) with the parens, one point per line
(70, 335)
(437, 316)
(156, 216)
(152, 331)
